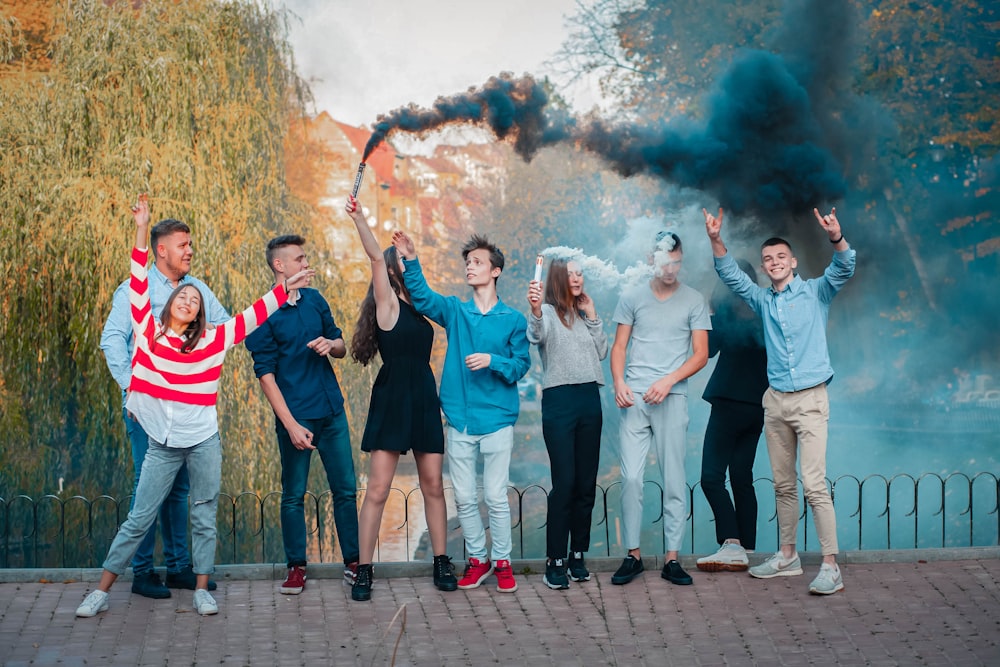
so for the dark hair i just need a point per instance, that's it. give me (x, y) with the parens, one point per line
(195, 328)
(477, 242)
(279, 242)
(773, 241)
(662, 234)
(557, 293)
(166, 227)
(364, 344)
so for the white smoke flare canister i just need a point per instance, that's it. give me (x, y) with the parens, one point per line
(539, 261)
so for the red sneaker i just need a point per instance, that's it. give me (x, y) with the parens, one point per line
(475, 573)
(505, 577)
(295, 582)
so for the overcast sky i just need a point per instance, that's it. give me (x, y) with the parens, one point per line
(366, 57)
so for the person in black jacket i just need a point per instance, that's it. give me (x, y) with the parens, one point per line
(735, 391)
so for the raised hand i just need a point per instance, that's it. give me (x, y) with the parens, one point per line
(829, 223)
(713, 224)
(404, 244)
(140, 212)
(353, 208)
(535, 297)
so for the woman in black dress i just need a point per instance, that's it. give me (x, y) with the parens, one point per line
(404, 413)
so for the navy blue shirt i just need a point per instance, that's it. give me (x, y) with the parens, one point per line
(306, 380)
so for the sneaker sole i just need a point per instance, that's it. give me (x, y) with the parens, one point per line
(836, 589)
(716, 566)
(780, 573)
(506, 590)
(290, 591)
(475, 584)
(621, 581)
(572, 578)
(208, 612)
(448, 588)
(555, 587)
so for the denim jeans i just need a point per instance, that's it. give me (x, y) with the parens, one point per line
(731, 439)
(665, 427)
(159, 472)
(173, 513)
(571, 426)
(332, 440)
(463, 454)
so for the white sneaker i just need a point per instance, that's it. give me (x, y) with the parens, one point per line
(93, 604)
(777, 566)
(828, 581)
(205, 603)
(729, 558)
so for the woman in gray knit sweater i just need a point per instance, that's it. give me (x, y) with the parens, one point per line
(571, 342)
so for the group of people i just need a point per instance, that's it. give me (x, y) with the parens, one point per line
(167, 335)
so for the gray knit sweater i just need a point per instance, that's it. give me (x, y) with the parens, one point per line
(569, 355)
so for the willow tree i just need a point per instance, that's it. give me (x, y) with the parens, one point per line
(191, 103)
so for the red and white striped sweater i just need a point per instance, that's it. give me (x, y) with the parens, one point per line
(160, 370)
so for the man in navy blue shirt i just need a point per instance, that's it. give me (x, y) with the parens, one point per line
(796, 406)
(290, 354)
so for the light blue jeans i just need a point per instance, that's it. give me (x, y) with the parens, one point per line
(159, 470)
(663, 426)
(173, 513)
(463, 454)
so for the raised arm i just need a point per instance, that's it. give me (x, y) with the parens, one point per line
(427, 302)
(386, 301)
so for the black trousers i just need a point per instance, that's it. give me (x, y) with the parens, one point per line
(731, 443)
(571, 426)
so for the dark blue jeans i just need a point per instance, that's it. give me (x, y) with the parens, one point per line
(731, 443)
(571, 426)
(173, 512)
(332, 440)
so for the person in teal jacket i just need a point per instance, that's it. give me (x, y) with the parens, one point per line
(487, 354)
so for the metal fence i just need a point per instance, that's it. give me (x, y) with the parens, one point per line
(874, 512)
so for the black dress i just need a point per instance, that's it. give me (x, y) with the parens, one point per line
(405, 412)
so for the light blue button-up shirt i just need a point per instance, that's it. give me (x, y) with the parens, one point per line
(794, 320)
(483, 401)
(116, 338)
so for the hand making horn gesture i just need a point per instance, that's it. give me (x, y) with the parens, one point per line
(713, 224)
(830, 223)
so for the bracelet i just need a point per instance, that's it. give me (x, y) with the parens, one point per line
(836, 241)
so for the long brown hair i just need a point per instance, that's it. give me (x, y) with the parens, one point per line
(195, 328)
(364, 344)
(558, 295)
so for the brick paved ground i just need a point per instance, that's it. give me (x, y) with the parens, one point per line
(916, 613)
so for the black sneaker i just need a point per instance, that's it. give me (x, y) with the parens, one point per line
(630, 568)
(148, 585)
(444, 574)
(577, 570)
(186, 579)
(555, 574)
(675, 574)
(361, 589)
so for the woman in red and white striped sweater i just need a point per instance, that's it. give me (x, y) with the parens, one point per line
(176, 365)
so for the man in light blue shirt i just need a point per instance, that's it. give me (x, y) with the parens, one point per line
(487, 354)
(170, 241)
(796, 406)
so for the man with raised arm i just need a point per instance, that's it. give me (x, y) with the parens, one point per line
(487, 354)
(796, 406)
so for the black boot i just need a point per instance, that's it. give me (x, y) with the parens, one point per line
(444, 574)
(362, 588)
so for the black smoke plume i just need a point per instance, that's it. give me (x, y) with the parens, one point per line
(772, 140)
(512, 108)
